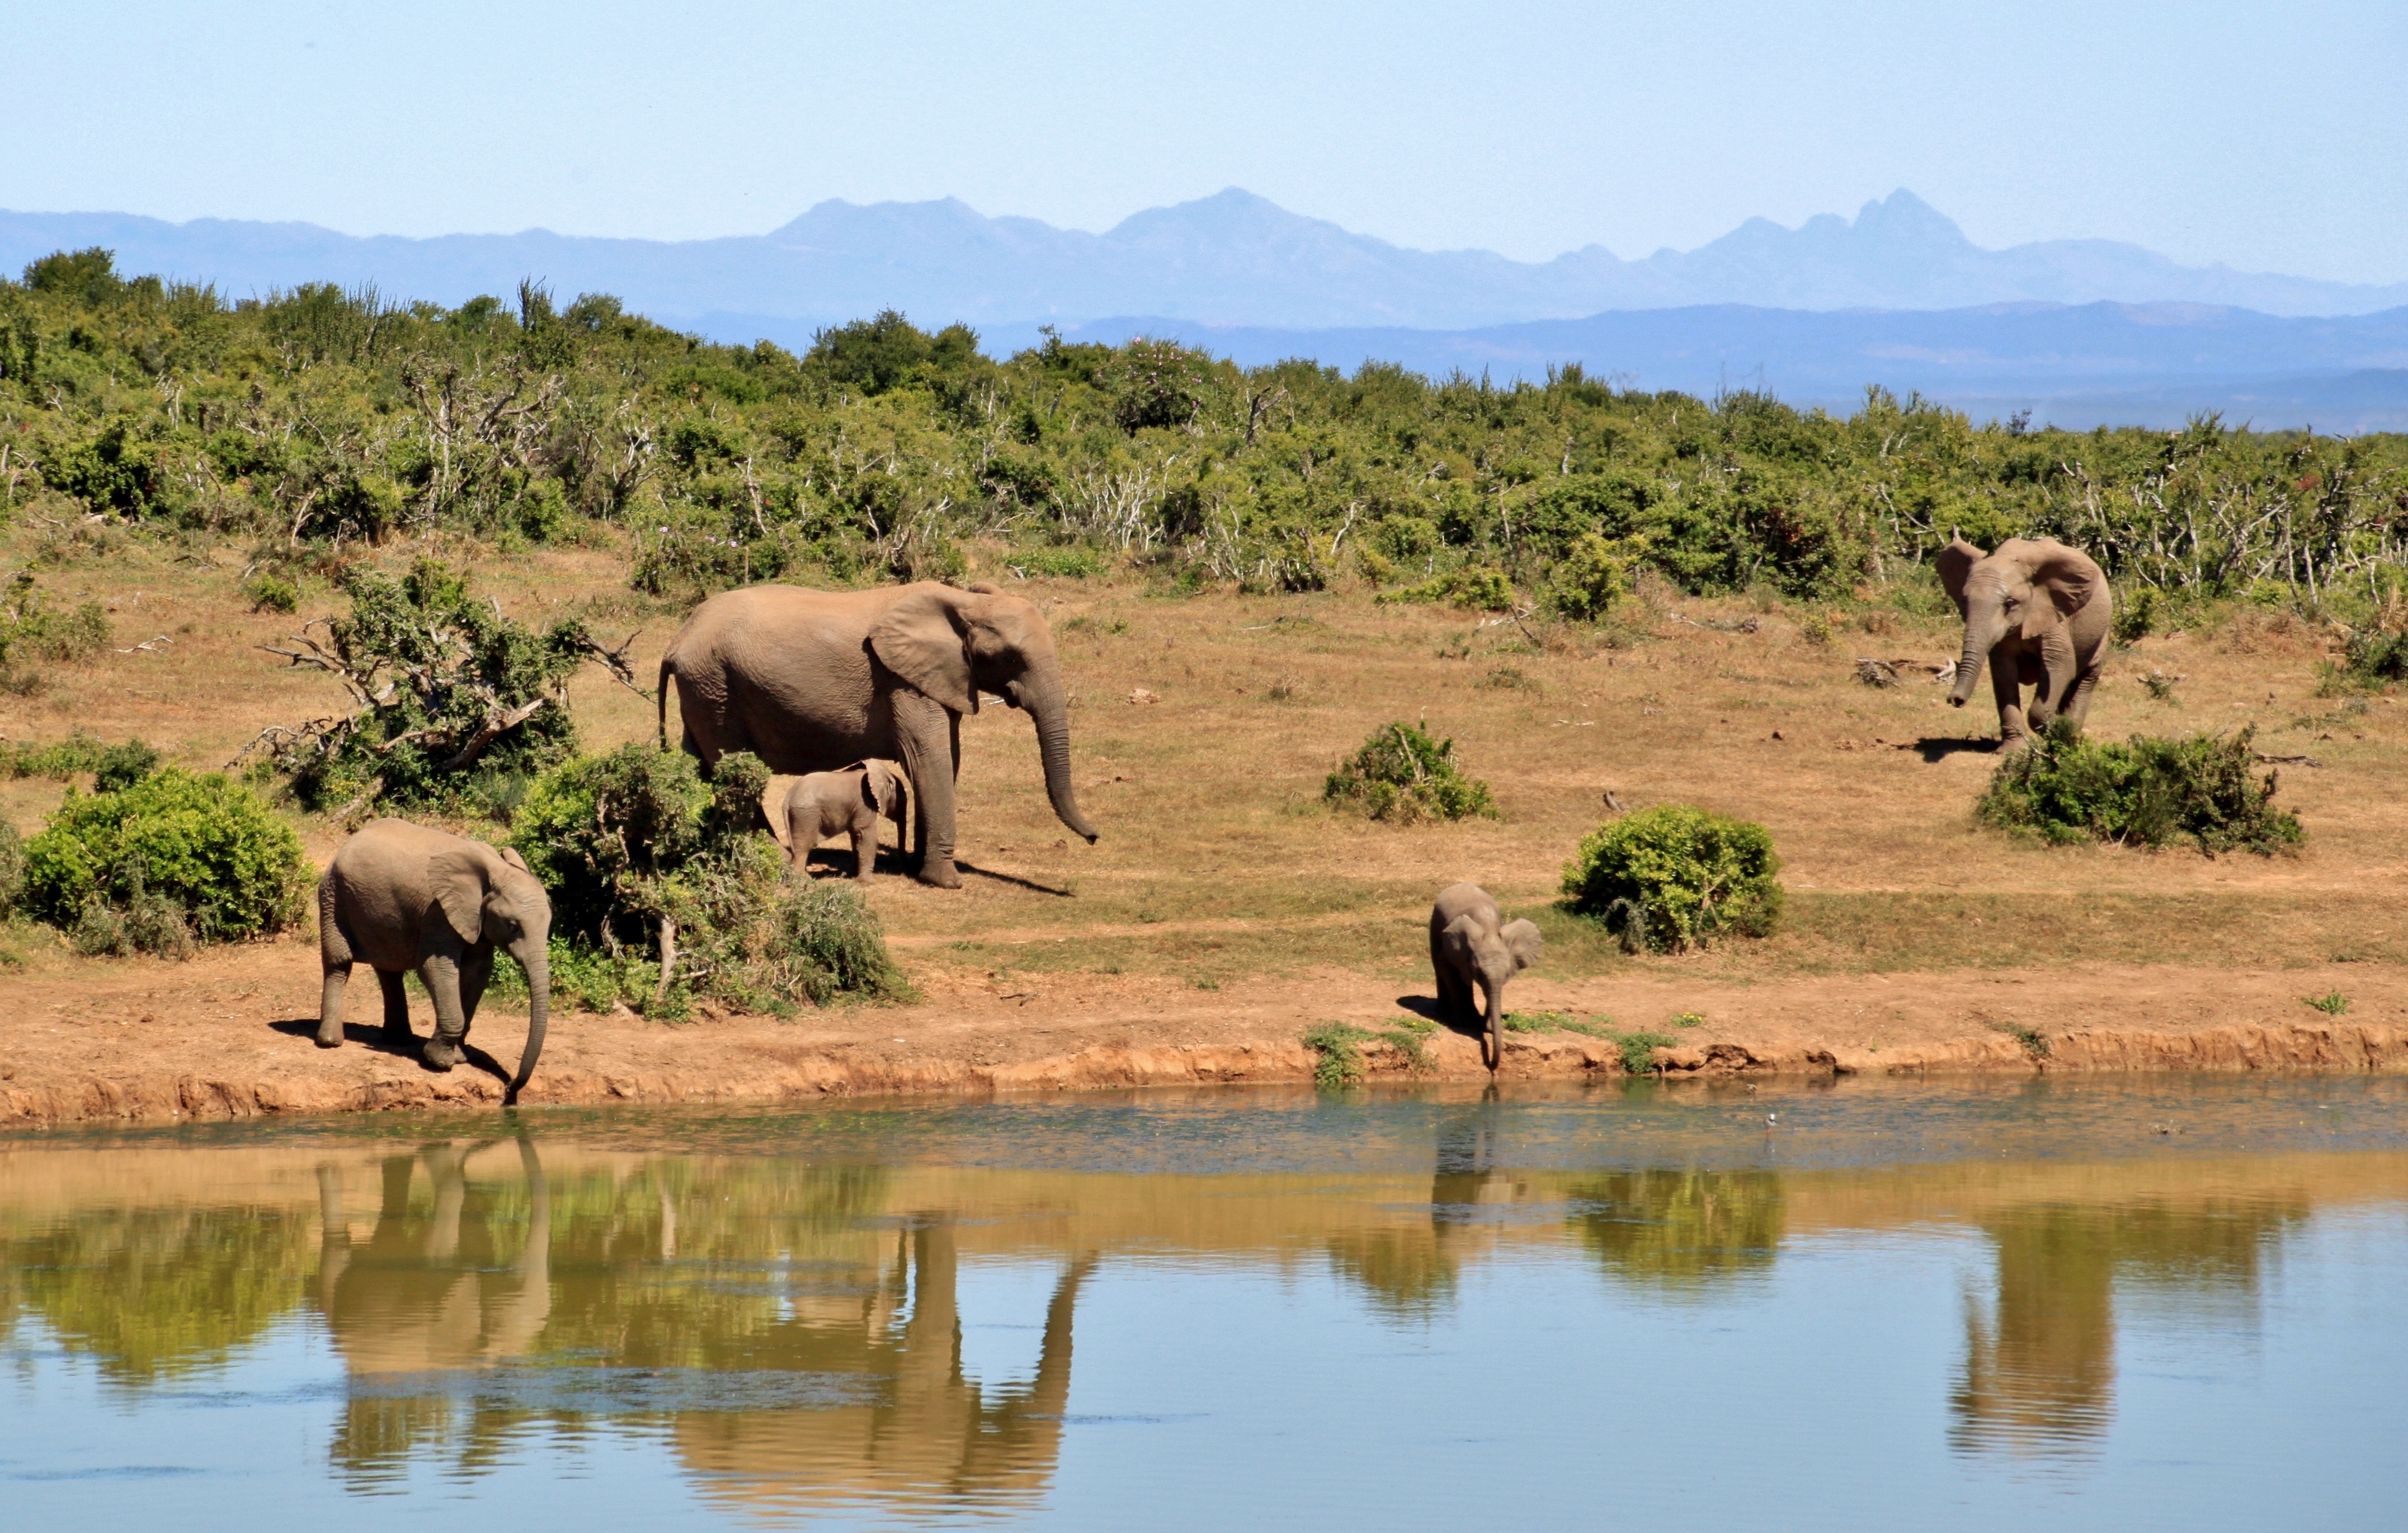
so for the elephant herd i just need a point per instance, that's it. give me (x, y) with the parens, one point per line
(835, 687)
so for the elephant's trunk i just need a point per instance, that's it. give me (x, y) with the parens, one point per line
(1492, 1041)
(1051, 714)
(534, 956)
(1982, 634)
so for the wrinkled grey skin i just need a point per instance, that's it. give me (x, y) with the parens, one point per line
(400, 896)
(811, 680)
(850, 802)
(2038, 613)
(1471, 941)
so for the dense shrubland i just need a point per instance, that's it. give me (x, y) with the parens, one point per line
(316, 419)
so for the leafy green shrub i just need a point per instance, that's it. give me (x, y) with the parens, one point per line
(1336, 1049)
(635, 847)
(118, 767)
(1674, 877)
(2137, 615)
(200, 846)
(2373, 658)
(1483, 590)
(443, 687)
(31, 629)
(2145, 792)
(1589, 580)
(272, 591)
(115, 766)
(1401, 774)
(12, 869)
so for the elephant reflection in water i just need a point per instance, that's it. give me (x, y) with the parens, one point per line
(934, 1436)
(418, 1298)
(1412, 1271)
(2040, 1368)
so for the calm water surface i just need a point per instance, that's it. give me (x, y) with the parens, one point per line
(2114, 1304)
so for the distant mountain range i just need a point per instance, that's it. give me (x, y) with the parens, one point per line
(2080, 332)
(1232, 258)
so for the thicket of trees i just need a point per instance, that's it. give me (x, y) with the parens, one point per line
(321, 418)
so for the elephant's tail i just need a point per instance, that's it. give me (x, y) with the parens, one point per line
(661, 702)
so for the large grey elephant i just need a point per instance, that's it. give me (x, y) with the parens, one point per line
(1470, 940)
(812, 681)
(400, 896)
(2038, 612)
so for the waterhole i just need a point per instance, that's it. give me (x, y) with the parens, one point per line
(2158, 1302)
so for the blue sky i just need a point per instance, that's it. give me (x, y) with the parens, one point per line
(2273, 137)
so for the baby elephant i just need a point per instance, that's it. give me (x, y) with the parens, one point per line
(846, 802)
(400, 896)
(1471, 939)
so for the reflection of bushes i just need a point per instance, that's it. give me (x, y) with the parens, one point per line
(1405, 1273)
(1680, 1230)
(158, 1292)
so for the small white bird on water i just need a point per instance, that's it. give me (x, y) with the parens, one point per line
(1769, 1119)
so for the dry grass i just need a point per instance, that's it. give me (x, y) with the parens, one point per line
(1218, 858)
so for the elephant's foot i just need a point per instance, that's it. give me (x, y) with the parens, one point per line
(940, 875)
(440, 1054)
(330, 1035)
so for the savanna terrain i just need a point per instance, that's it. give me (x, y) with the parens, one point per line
(1226, 909)
(1590, 592)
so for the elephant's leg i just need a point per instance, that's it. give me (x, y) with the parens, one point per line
(475, 972)
(330, 1004)
(2056, 681)
(441, 974)
(396, 1007)
(923, 727)
(865, 843)
(2077, 708)
(2006, 685)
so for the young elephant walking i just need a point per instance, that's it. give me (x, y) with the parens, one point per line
(846, 802)
(1470, 940)
(400, 896)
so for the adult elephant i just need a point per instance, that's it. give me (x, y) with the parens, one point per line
(2038, 612)
(812, 680)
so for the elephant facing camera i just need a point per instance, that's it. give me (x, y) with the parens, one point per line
(2037, 614)
(1472, 943)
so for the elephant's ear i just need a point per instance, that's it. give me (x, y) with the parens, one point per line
(1524, 939)
(921, 639)
(1459, 935)
(1956, 562)
(459, 881)
(984, 588)
(510, 855)
(876, 788)
(2069, 576)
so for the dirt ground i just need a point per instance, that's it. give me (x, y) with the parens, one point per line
(1226, 910)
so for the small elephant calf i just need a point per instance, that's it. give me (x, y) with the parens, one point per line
(400, 896)
(1471, 941)
(849, 801)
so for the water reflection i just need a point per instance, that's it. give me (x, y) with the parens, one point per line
(2038, 1374)
(791, 1331)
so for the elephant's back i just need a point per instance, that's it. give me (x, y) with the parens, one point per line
(382, 889)
(1458, 899)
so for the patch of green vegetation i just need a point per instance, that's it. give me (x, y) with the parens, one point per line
(2373, 658)
(1690, 1019)
(1401, 774)
(2147, 791)
(273, 590)
(2034, 1041)
(32, 629)
(1639, 1049)
(2332, 1003)
(113, 767)
(1674, 876)
(169, 860)
(1556, 1022)
(444, 690)
(1591, 578)
(1482, 590)
(1509, 679)
(1338, 1048)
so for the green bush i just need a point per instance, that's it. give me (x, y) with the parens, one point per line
(603, 831)
(272, 591)
(31, 629)
(445, 688)
(2374, 659)
(113, 767)
(1401, 774)
(1480, 589)
(1589, 580)
(820, 939)
(12, 869)
(2147, 791)
(1674, 877)
(200, 846)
